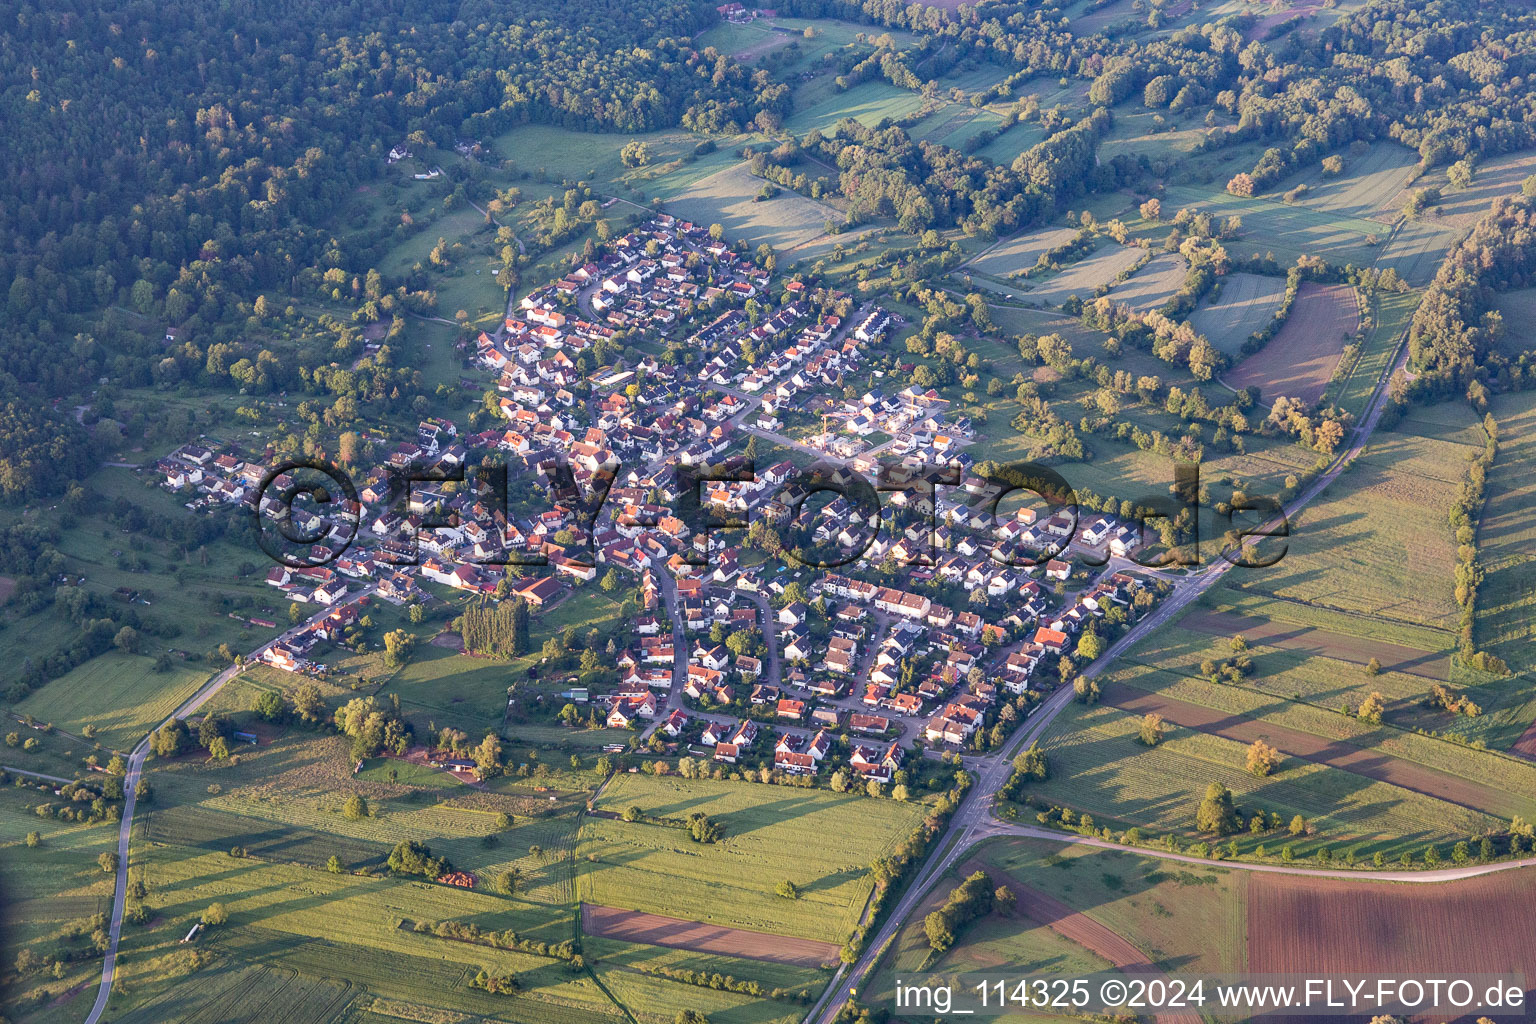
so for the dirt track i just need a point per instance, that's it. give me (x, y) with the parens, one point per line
(655, 930)
(1086, 932)
(1311, 640)
(1299, 360)
(1336, 754)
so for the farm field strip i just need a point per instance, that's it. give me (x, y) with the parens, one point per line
(1316, 749)
(1371, 186)
(1097, 766)
(1375, 543)
(1513, 778)
(1034, 903)
(1435, 665)
(119, 694)
(654, 1000)
(656, 930)
(656, 868)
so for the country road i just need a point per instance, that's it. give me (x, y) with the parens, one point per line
(130, 799)
(972, 820)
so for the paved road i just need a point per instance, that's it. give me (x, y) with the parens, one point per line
(130, 799)
(972, 820)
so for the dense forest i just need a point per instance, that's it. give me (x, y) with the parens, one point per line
(179, 161)
(179, 158)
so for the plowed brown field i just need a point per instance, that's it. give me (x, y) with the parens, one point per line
(1299, 360)
(655, 930)
(1318, 926)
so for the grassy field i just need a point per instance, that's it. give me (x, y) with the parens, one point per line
(468, 282)
(288, 915)
(1140, 132)
(820, 106)
(1517, 308)
(471, 692)
(1013, 943)
(1152, 285)
(186, 594)
(1179, 920)
(1371, 186)
(955, 124)
(1287, 230)
(119, 694)
(822, 841)
(654, 1000)
(1246, 304)
(787, 222)
(1500, 176)
(1098, 766)
(1306, 654)
(1375, 543)
(1305, 353)
(1506, 601)
(1188, 920)
(1020, 252)
(1353, 386)
(46, 894)
(1080, 278)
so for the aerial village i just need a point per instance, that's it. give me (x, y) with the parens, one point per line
(742, 655)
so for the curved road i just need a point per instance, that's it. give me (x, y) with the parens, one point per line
(973, 821)
(130, 799)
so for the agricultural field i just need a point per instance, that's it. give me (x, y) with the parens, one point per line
(467, 279)
(1020, 252)
(1507, 598)
(48, 894)
(1083, 909)
(676, 933)
(249, 994)
(1517, 308)
(654, 1000)
(1287, 230)
(1191, 919)
(1246, 304)
(1465, 927)
(1081, 278)
(955, 124)
(1500, 176)
(1375, 544)
(1006, 147)
(788, 221)
(822, 841)
(1152, 285)
(1099, 767)
(1314, 740)
(1014, 942)
(452, 688)
(1299, 361)
(868, 103)
(1139, 132)
(120, 695)
(1371, 186)
(1353, 385)
(1415, 249)
(280, 803)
